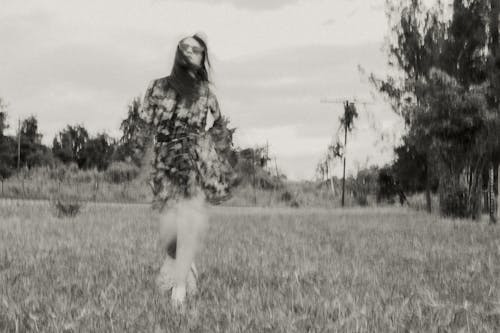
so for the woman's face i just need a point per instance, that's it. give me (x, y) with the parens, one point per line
(192, 50)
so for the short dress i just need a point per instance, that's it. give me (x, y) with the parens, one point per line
(187, 158)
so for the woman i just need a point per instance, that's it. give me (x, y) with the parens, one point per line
(189, 168)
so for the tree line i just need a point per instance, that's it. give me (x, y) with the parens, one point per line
(73, 145)
(446, 87)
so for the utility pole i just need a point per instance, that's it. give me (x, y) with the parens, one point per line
(18, 145)
(253, 180)
(267, 155)
(347, 104)
(276, 167)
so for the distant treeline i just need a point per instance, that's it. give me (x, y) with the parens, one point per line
(119, 158)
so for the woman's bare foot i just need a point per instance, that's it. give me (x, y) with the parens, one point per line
(178, 295)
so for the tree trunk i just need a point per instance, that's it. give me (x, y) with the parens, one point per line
(491, 194)
(428, 187)
(475, 197)
(495, 50)
(496, 183)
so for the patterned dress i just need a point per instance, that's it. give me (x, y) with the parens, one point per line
(187, 158)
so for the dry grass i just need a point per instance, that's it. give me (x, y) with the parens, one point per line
(262, 270)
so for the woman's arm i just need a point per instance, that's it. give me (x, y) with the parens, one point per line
(147, 114)
(213, 107)
(148, 110)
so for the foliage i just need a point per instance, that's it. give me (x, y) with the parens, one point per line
(409, 168)
(348, 117)
(135, 136)
(8, 156)
(66, 206)
(3, 117)
(453, 201)
(251, 166)
(97, 152)
(389, 187)
(32, 151)
(120, 172)
(414, 44)
(69, 144)
(443, 92)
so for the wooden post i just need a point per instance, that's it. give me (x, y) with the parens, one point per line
(18, 145)
(253, 180)
(346, 106)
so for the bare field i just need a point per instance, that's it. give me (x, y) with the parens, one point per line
(261, 270)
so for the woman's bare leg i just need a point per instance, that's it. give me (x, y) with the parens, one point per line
(191, 227)
(166, 244)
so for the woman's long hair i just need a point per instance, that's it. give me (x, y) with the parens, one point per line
(180, 80)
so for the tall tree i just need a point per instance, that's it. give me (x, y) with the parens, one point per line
(494, 100)
(135, 135)
(415, 42)
(3, 117)
(29, 130)
(463, 55)
(7, 146)
(69, 143)
(455, 120)
(97, 152)
(32, 151)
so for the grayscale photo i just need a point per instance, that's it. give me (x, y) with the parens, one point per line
(249, 166)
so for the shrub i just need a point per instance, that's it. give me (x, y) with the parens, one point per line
(119, 172)
(66, 206)
(361, 198)
(289, 198)
(453, 202)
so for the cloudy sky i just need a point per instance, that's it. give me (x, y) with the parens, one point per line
(82, 62)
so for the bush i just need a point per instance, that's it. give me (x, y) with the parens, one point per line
(119, 172)
(289, 198)
(66, 207)
(361, 199)
(453, 202)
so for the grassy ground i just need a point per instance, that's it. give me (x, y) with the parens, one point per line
(261, 270)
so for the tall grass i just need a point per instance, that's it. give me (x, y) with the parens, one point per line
(261, 270)
(120, 183)
(123, 182)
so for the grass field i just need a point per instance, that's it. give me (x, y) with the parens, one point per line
(261, 270)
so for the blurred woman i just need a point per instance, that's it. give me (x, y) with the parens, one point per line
(188, 167)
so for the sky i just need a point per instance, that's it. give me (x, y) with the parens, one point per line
(273, 61)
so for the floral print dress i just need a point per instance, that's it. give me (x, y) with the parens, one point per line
(187, 158)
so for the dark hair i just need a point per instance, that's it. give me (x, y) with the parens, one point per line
(180, 79)
(204, 68)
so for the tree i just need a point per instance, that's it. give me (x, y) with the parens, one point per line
(32, 151)
(29, 130)
(135, 135)
(409, 168)
(7, 146)
(69, 143)
(494, 100)
(415, 41)
(347, 122)
(97, 152)
(455, 120)
(324, 167)
(3, 117)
